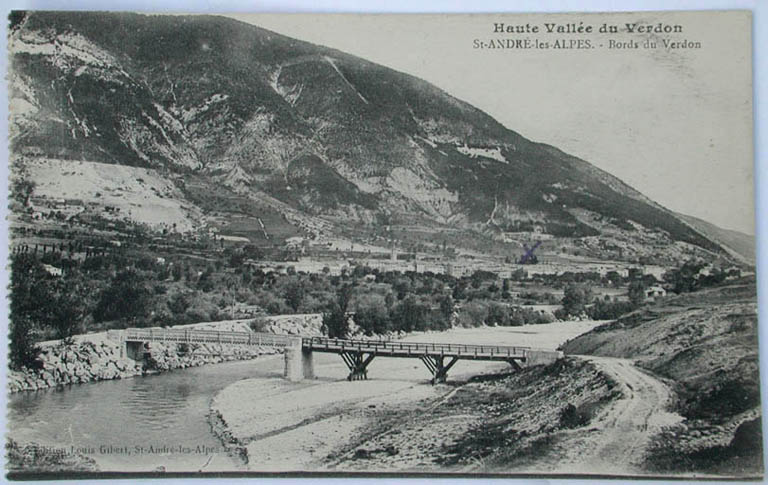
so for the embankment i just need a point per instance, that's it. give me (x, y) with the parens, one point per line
(705, 345)
(93, 357)
(498, 422)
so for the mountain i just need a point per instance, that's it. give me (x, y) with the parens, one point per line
(249, 123)
(740, 245)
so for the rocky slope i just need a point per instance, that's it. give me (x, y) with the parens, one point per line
(228, 110)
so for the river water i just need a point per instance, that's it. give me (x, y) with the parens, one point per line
(143, 423)
(137, 424)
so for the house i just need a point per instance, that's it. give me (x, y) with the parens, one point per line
(654, 292)
(52, 270)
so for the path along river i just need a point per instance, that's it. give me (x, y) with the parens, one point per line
(143, 423)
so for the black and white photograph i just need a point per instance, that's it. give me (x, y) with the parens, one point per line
(381, 245)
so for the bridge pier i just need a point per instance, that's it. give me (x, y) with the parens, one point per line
(299, 364)
(438, 367)
(357, 362)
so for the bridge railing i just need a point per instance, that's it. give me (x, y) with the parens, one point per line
(413, 347)
(192, 336)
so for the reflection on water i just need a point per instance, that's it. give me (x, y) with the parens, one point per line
(167, 410)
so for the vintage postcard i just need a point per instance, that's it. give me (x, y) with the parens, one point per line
(479, 245)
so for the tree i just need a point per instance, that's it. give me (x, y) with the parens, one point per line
(409, 315)
(459, 291)
(446, 308)
(372, 319)
(23, 350)
(685, 278)
(127, 297)
(335, 323)
(177, 271)
(68, 309)
(178, 304)
(22, 190)
(205, 283)
(576, 297)
(636, 293)
(497, 315)
(294, 295)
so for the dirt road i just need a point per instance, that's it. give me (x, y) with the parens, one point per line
(617, 438)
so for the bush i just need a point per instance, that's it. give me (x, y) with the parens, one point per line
(273, 304)
(573, 417)
(604, 310)
(527, 316)
(259, 324)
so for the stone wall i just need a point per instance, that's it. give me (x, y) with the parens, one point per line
(83, 361)
(163, 357)
(93, 357)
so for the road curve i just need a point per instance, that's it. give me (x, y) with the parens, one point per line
(619, 435)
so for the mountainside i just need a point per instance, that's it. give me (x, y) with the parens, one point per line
(319, 138)
(743, 245)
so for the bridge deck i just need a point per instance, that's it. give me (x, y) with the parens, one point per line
(192, 336)
(323, 344)
(414, 349)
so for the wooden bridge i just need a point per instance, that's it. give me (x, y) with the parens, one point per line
(438, 358)
(356, 354)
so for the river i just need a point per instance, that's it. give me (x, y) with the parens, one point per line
(143, 423)
(167, 412)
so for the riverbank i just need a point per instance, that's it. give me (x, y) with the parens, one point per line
(323, 424)
(94, 357)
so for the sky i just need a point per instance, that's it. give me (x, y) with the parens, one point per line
(674, 124)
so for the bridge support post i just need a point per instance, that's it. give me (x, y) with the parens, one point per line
(307, 364)
(438, 367)
(294, 369)
(357, 362)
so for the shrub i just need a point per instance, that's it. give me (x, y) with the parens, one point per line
(573, 417)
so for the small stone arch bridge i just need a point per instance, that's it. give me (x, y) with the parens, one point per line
(356, 354)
